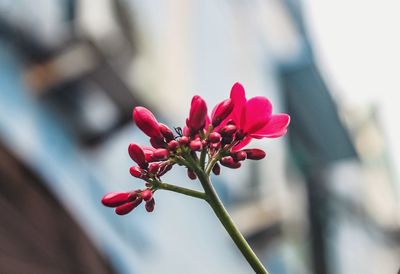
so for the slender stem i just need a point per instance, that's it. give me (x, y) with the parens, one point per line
(223, 215)
(182, 190)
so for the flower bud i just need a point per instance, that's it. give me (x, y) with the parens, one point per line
(128, 207)
(148, 153)
(221, 111)
(186, 131)
(114, 199)
(255, 153)
(136, 171)
(166, 132)
(154, 168)
(228, 130)
(216, 169)
(164, 169)
(195, 145)
(191, 174)
(239, 155)
(137, 154)
(147, 194)
(146, 121)
(150, 205)
(161, 154)
(173, 145)
(229, 162)
(184, 140)
(197, 115)
(214, 137)
(158, 142)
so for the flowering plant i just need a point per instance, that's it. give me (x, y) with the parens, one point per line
(201, 146)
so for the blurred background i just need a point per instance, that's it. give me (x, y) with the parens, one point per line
(324, 201)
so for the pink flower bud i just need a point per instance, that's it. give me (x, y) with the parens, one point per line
(146, 121)
(228, 130)
(136, 171)
(214, 137)
(216, 169)
(191, 174)
(161, 154)
(114, 199)
(147, 194)
(166, 132)
(229, 162)
(137, 154)
(195, 145)
(148, 153)
(158, 142)
(128, 207)
(239, 155)
(150, 205)
(197, 115)
(173, 145)
(154, 168)
(186, 131)
(221, 111)
(255, 153)
(184, 140)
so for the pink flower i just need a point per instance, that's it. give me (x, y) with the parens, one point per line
(254, 119)
(197, 115)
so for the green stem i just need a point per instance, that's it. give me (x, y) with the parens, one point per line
(213, 199)
(182, 190)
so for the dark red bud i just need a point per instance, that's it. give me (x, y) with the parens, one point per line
(154, 168)
(114, 199)
(161, 154)
(228, 130)
(195, 145)
(255, 153)
(216, 169)
(150, 205)
(146, 121)
(227, 140)
(229, 162)
(214, 137)
(137, 154)
(173, 145)
(197, 115)
(157, 142)
(128, 207)
(136, 171)
(184, 140)
(191, 174)
(147, 194)
(166, 132)
(239, 155)
(221, 111)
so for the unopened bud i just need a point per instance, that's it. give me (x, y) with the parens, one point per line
(173, 145)
(214, 137)
(221, 111)
(229, 162)
(150, 205)
(147, 194)
(136, 171)
(255, 153)
(157, 142)
(114, 199)
(154, 168)
(197, 115)
(191, 174)
(161, 154)
(228, 130)
(166, 132)
(239, 155)
(216, 169)
(128, 207)
(146, 121)
(137, 154)
(184, 140)
(195, 145)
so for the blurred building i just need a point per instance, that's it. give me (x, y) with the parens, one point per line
(322, 201)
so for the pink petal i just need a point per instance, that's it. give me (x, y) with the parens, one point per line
(256, 114)
(242, 144)
(276, 127)
(238, 97)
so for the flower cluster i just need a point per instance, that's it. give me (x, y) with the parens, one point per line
(201, 146)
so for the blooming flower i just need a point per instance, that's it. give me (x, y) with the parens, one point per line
(233, 124)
